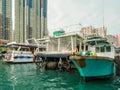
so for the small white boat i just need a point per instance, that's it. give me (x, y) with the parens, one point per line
(19, 53)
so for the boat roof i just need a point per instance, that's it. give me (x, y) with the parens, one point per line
(24, 45)
(71, 34)
(96, 40)
(65, 35)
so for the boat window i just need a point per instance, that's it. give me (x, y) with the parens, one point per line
(23, 49)
(102, 49)
(108, 48)
(82, 47)
(86, 47)
(97, 49)
(13, 48)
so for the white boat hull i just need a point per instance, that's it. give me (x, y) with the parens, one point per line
(29, 60)
(17, 57)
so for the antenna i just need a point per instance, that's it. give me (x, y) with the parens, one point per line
(103, 11)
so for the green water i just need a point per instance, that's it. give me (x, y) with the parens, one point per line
(28, 77)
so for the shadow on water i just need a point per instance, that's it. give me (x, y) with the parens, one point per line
(28, 77)
(116, 82)
(110, 84)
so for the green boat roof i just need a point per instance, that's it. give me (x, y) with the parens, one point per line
(96, 40)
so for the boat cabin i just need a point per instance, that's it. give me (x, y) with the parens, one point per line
(101, 47)
(61, 44)
(20, 47)
(19, 53)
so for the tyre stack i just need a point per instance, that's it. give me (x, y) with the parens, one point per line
(117, 61)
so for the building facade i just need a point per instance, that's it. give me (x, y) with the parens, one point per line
(3, 42)
(30, 19)
(92, 31)
(6, 19)
(112, 39)
(118, 39)
(18, 22)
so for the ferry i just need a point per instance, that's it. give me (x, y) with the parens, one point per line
(97, 62)
(19, 53)
(2, 51)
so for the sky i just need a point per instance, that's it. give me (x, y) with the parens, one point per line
(74, 14)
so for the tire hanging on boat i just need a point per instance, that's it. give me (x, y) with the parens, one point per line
(39, 61)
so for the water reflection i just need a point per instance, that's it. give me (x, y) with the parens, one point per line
(28, 77)
(116, 82)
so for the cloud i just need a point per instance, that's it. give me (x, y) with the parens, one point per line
(87, 12)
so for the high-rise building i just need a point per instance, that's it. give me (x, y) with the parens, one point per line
(19, 7)
(30, 19)
(0, 26)
(0, 6)
(5, 19)
(92, 31)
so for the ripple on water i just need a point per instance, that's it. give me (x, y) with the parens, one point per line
(28, 77)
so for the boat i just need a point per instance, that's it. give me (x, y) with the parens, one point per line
(57, 50)
(19, 53)
(92, 58)
(2, 51)
(97, 61)
(2, 54)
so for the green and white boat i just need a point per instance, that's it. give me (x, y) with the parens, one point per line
(58, 54)
(97, 65)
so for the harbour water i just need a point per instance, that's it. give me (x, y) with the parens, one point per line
(28, 77)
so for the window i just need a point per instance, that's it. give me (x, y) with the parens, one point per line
(97, 49)
(102, 49)
(108, 48)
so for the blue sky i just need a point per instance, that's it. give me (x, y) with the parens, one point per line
(63, 13)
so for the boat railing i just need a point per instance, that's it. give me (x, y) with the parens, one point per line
(32, 41)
